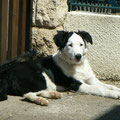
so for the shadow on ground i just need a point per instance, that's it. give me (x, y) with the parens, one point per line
(113, 114)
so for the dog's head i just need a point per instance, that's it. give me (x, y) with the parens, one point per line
(73, 44)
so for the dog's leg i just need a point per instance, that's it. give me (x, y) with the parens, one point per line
(49, 94)
(98, 90)
(110, 87)
(50, 84)
(34, 98)
(97, 82)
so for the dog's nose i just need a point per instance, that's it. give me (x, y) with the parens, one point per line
(78, 56)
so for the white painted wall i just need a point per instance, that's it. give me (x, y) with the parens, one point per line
(104, 54)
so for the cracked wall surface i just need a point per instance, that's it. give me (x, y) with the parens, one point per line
(104, 54)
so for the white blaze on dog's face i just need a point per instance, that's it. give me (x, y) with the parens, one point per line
(72, 45)
(75, 48)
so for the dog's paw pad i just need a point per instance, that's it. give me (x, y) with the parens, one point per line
(42, 101)
(55, 95)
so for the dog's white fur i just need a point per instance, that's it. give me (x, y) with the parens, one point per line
(81, 70)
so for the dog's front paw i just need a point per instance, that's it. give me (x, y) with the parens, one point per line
(116, 95)
(55, 95)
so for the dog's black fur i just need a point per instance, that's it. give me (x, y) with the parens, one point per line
(23, 78)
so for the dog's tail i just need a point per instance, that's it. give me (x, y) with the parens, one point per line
(3, 88)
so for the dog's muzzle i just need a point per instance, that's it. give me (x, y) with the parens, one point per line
(78, 57)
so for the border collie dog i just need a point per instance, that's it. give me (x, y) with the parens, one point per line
(68, 69)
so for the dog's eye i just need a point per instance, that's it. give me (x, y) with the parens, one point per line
(81, 44)
(70, 45)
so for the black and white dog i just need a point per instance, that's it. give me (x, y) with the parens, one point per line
(68, 69)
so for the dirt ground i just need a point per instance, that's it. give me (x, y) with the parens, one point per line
(72, 106)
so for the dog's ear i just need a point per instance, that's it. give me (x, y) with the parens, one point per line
(61, 38)
(86, 36)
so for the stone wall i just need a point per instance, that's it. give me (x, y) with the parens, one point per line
(48, 17)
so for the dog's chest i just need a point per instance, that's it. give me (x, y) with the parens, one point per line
(79, 72)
